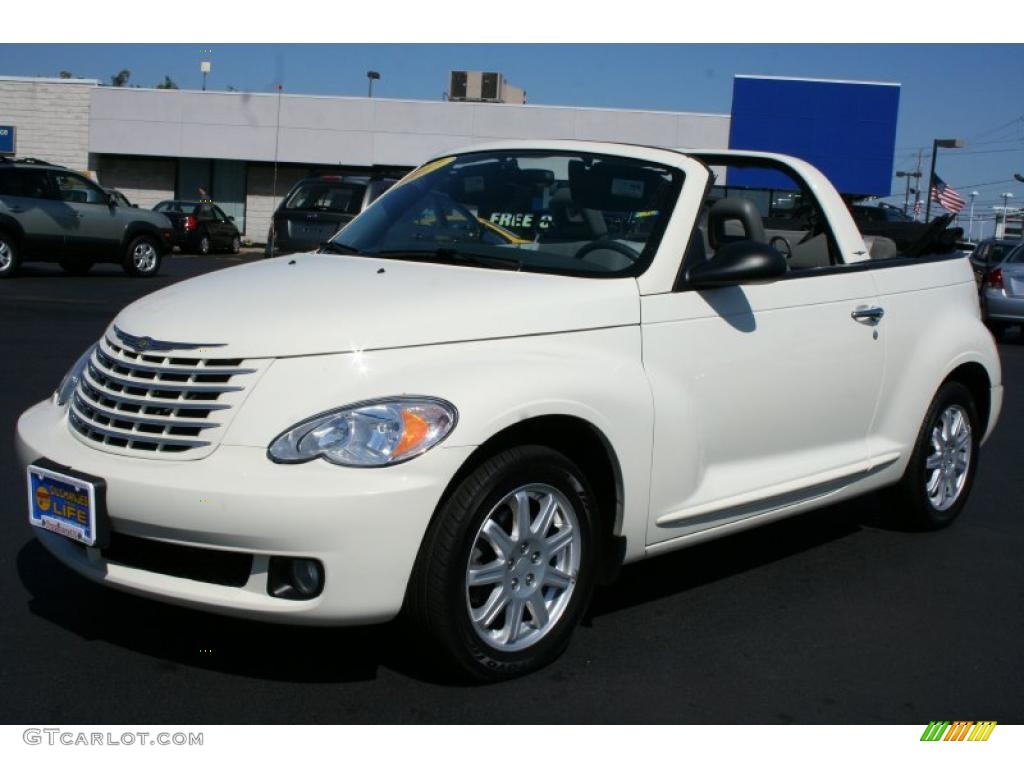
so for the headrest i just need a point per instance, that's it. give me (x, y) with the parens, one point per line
(609, 186)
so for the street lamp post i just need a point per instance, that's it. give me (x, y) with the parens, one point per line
(1006, 199)
(370, 77)
(908, 175)
(947, 144)
(970, 231)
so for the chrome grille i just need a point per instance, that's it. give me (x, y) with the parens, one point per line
(170, 404)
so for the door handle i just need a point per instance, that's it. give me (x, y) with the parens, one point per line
(871, 314)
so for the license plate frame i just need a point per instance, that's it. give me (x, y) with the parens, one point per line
(43, 478)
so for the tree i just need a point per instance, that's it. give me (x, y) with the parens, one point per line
(167, 84)
(120, 80)
(65, 75)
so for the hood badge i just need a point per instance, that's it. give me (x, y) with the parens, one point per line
(149, 344)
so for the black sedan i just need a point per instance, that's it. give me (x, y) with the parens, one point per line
(201, 227)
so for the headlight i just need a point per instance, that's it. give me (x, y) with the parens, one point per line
(371, 434)
(71, 378)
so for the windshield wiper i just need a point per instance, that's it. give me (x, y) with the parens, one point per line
(332, 247)
(453, 256)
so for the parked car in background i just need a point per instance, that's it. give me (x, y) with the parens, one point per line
(891, 222)
(477, 427)
(988, 253)
(49, 213)
(317, 207)
(1002, 284)
(201, 227)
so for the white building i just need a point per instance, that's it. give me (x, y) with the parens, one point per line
(158, 144)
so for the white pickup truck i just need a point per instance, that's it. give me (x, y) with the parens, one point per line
(525, 365)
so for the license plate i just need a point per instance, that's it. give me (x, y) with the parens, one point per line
(63, 503)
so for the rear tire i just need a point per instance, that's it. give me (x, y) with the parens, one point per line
(236, 244)
(76, 268)
(938, 479)
(507, 566)
(142, 257)
(204, 246)
(10, 258)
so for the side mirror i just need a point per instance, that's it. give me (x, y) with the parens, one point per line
(746, 261)
(231, 218)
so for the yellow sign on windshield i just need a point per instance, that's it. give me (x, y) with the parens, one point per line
(423, 170)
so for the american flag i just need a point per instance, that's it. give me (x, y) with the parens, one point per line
(917, 210)
(946, 196)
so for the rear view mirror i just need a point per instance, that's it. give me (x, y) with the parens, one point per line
(746, 261)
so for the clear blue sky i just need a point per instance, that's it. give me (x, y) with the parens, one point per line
(970, 91)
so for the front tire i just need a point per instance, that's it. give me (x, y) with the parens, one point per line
(236, 244)
(10, 259)
(142, 257)
(507, 567)
(938, 479)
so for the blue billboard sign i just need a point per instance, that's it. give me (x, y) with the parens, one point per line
(7, 133)
(845, 129)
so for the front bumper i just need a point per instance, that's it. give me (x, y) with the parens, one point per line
(364, 525)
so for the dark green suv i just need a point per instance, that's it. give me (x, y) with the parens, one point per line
(49, 213)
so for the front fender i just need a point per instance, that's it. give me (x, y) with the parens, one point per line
(596, 376)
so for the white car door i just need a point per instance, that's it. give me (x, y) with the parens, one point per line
(763, 394)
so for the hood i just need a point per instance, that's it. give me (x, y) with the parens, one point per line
(319, 303)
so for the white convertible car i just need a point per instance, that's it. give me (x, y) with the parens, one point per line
(525, 365)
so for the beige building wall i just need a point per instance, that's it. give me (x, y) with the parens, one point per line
(51, 117)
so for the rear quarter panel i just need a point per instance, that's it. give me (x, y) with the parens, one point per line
(932, 325)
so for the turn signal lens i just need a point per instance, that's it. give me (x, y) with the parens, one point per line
(373, 434)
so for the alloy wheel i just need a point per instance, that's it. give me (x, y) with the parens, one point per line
(144, 257)
(523, 567)
(949, 462)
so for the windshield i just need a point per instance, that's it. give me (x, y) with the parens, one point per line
(321, 195)
(561, 212)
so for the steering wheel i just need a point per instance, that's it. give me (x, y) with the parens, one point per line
(787, 251)
(604, 244)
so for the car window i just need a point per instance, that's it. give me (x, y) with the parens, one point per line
(796, 226)
(563, 212)
(219, 214)
(75, 189)
(332, 196)
(24, 182)
(204, 213)
(1016, 256)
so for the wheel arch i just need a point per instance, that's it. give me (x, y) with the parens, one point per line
(975, 377)
(137, 228)
(587, 447)
(13, 227)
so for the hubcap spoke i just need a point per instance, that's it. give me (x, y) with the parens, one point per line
(486, 614)
(561, 538)
(557, 579)
(514, 619)
(538, 610)
(500, 542)
(491, 573)
(522, 516)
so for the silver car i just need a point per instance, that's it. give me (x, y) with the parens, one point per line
(1002, 291)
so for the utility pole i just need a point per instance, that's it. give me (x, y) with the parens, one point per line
(277, 143)
(917, 192)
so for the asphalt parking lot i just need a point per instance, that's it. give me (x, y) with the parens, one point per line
(833, 617)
